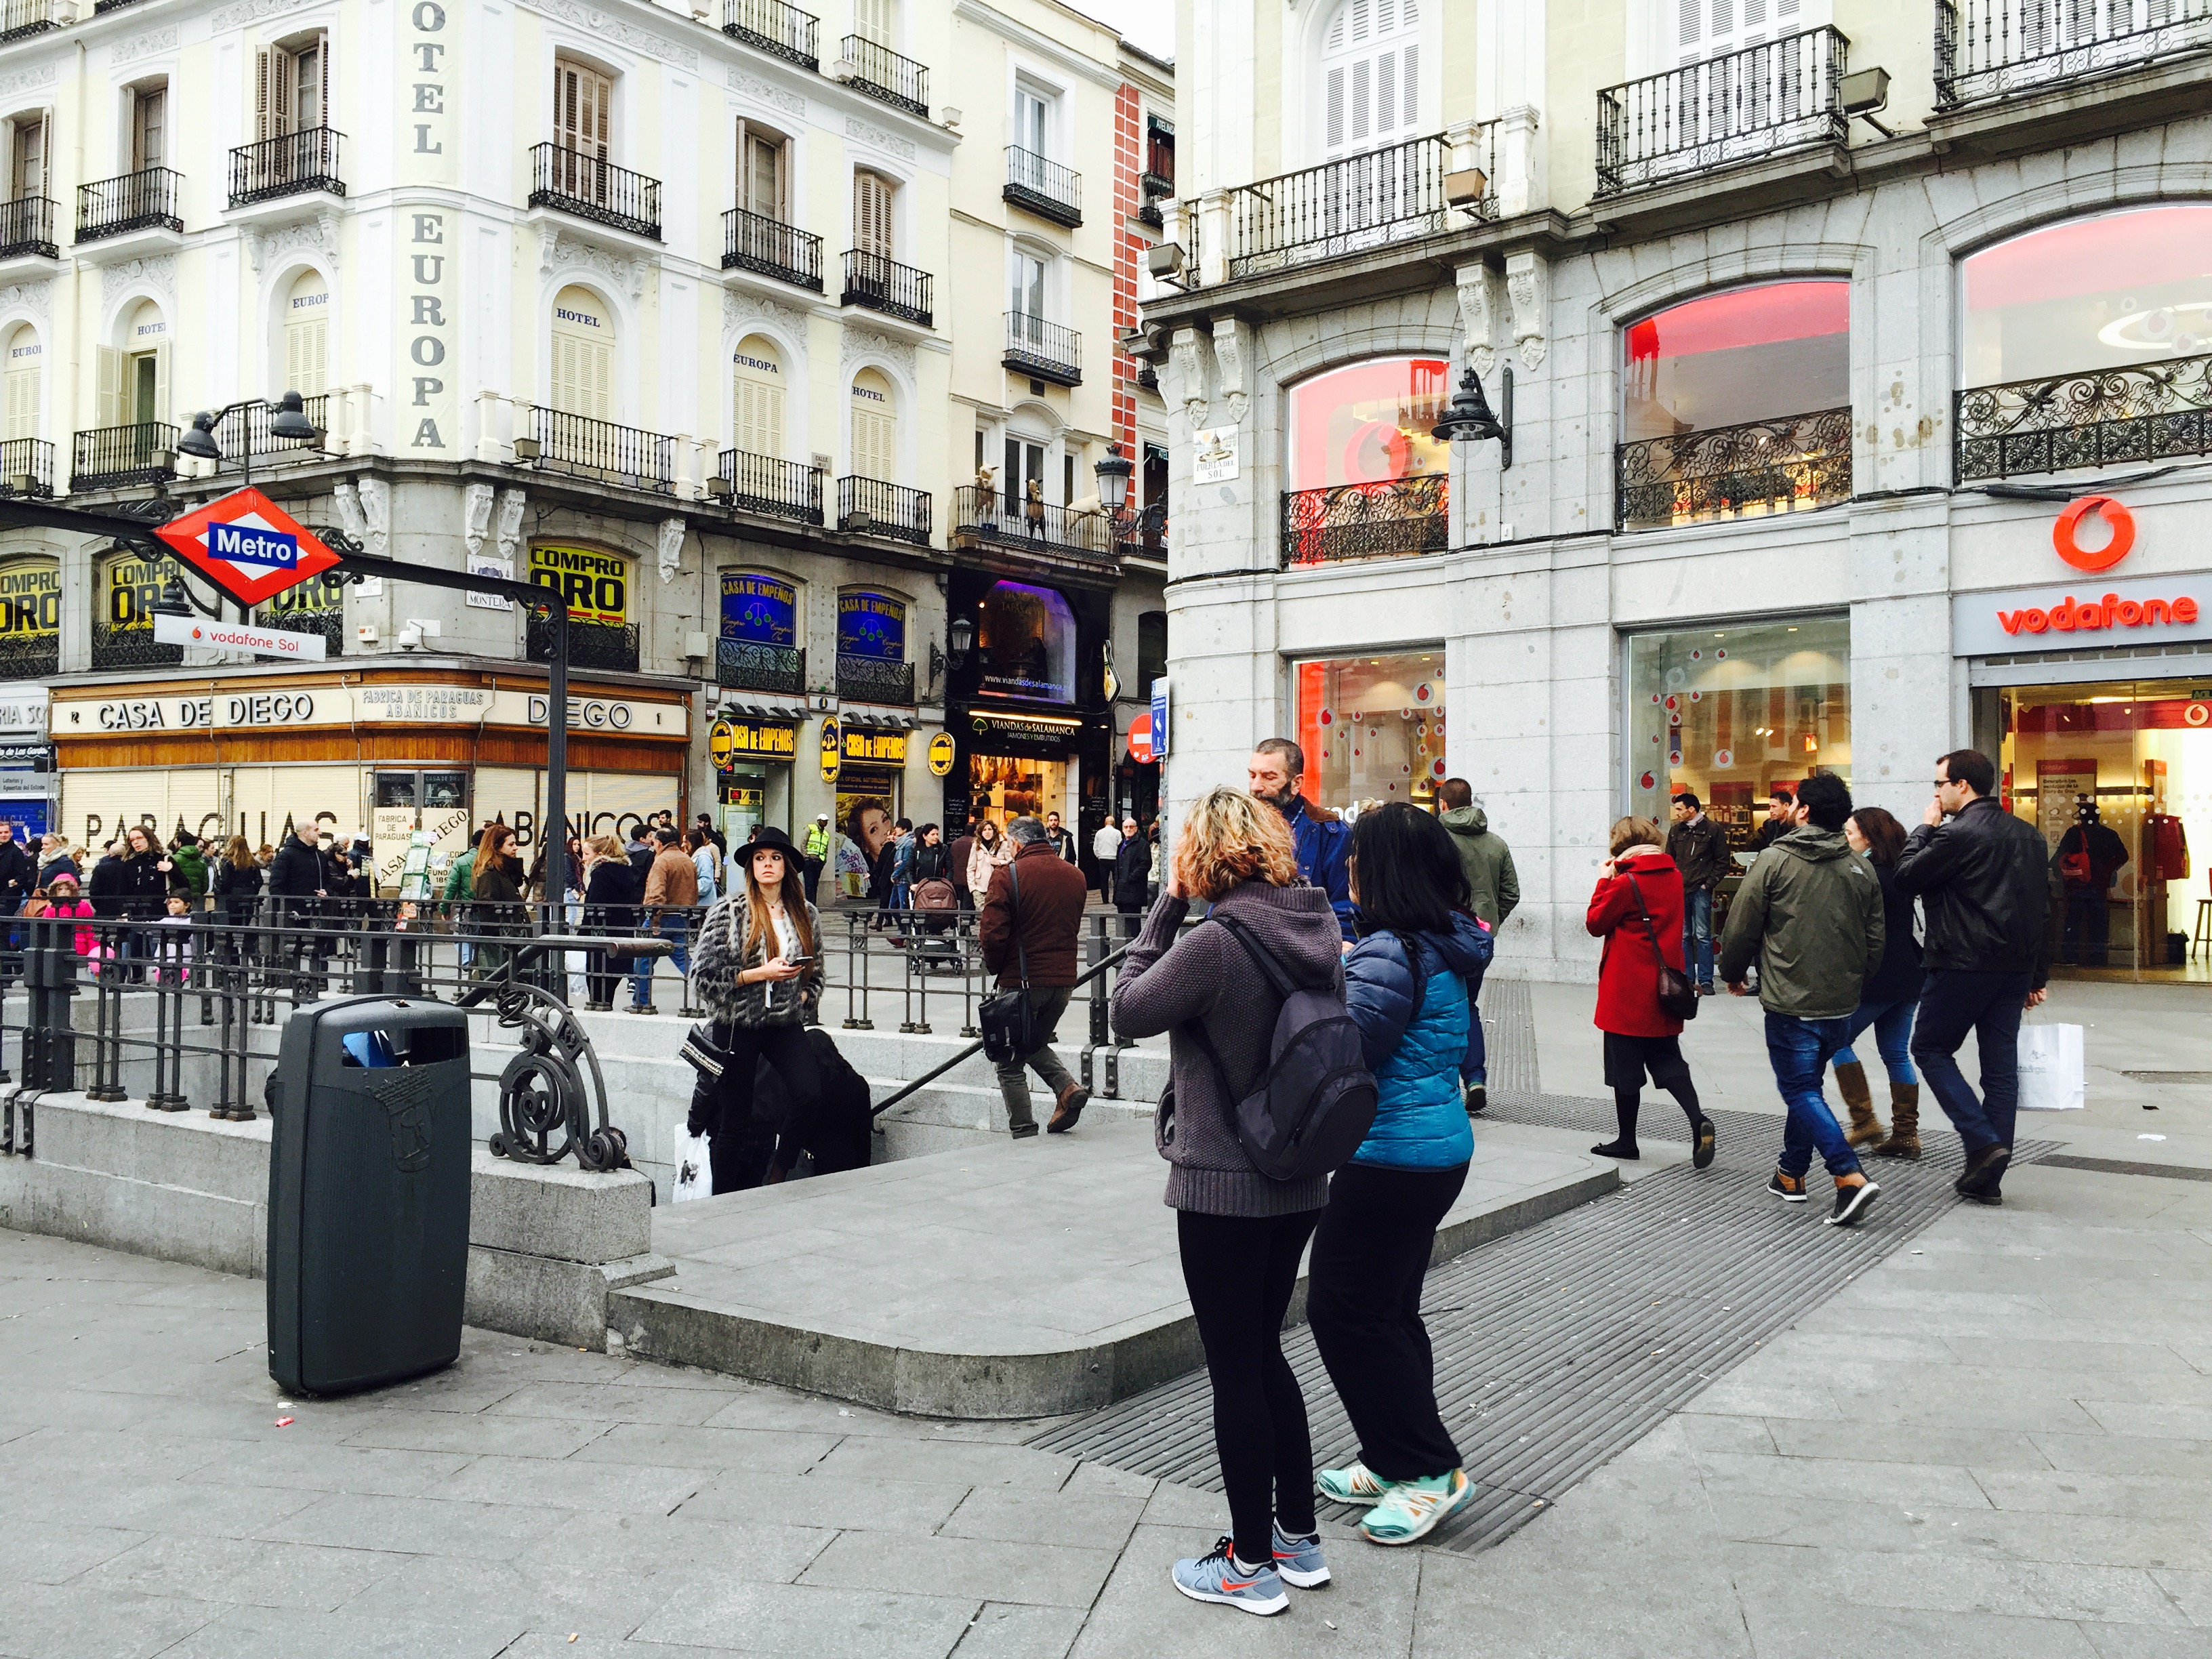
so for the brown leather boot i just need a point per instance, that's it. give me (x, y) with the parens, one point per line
(1905, 1122)
(1851, 1082)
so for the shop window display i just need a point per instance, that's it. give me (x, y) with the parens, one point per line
(1026, 641)
(1372, 728)
(1732, 713)
(1368, 423)
(1005, 787)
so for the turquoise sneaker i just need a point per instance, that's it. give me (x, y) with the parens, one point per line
(1219, 1577)
(1299, 1560)
(1357, 1485)
(1412, 1509)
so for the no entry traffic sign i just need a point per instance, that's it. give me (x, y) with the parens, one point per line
(247, 546)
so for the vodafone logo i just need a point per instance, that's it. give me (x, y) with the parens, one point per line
(2065, 534)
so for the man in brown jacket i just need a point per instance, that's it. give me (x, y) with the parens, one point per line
(672, 893)
(1029, 921)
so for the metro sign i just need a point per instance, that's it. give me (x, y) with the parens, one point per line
(248, 546)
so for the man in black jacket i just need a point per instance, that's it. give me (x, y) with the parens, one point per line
(299, 875)
(1700, 849)
(18, 875)
(1983, 881)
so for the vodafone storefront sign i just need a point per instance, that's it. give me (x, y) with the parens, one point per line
(2160, 609)
(2072, 615)
(237, 636)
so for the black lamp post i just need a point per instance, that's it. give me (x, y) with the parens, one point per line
(1468, 418)
(1113, 471)
(288, 419)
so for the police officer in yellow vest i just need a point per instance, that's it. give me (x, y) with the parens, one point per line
(815, 854)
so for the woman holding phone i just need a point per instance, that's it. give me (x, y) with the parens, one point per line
(758, 970)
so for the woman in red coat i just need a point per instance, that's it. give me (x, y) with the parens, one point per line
(1638, 1037)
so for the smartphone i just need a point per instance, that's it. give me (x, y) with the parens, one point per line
(799, 961)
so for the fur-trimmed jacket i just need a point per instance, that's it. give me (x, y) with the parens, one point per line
(722, 954)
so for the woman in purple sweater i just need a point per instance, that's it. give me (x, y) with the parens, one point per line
(1241, 1232)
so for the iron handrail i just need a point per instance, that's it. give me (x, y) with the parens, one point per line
(1738, 107)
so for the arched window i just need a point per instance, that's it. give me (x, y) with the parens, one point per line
(306, 334)
(1369, 75)
(583, 355)
(134, 377)
(2121, 290)
(1368, 423)
(758, 404)
(26, 356)
(875, 427)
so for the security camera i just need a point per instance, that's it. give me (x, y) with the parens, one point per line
(415, 629)
(411, 638)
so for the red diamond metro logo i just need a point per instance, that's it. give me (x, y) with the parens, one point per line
(248, 546)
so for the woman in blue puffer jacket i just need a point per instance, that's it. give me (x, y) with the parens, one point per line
(1410, 983)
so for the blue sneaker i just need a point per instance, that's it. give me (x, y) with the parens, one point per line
(1357, 1484)
(1412, 1509)
(1299, 1559)
(1220, 1577)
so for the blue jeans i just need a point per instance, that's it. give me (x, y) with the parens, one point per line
(1893, 1036)
(1954, 1002)
(1698, 934)
(1479, 1071)
(1799, 1050)
(676, 930)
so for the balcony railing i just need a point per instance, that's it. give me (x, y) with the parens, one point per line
(870, 506)
(883, 284)
(1349, 206)
(584, 447)
(747, 666)
(1742, 107)
(1992, 49)
(26, 467)
(290, 164)
(101, 8)
(774, 27)
(20, 18)
(871, 680)
(28, 227)
(1043, 187)
(33, 656)
(244, 433)
(135, 201)
(2099, 417)
(132, 647)
(778, 490)
(752, 241)
(570, 181)
(884, 75)
(1050, 351)
(110, 456)
(1366, 520)
(988, 518)
(591, 645)
(331, 624)
(1787, 466)
(1148, 538)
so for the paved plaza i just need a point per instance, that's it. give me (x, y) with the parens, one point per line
(1998, 1440)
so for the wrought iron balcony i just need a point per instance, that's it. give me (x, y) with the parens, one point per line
(784, 31)
(585, 448)
(1987, 50)
(752, 241)
(1366, 520)
(26, 226)
(101, 8)
(1742, 107)
(1350, 206)
(883, 284)
(26, 467)
(1148, 538)
(20, 18)
(35, 656)
(1050, 351)
(291, 164)
(1043, 187)
(244, 434)
(748, 666)
(1787, 466)
(2099, 417)
(135, 201)
(110, 457)
(869, 506)
(591, 645)
(777, 489)
(331, 624)
(1003, 518)
(871, 680)
(883, 74)
(132, 647)
(570, 181)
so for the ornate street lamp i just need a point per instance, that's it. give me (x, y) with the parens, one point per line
(1468, 418)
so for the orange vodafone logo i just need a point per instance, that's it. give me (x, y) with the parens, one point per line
(2064, 534)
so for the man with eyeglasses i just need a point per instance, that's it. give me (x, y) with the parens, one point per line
(1983, 878)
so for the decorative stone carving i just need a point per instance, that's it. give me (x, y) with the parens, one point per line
(159, 274)
(1230, 341)
(744, 310)
(23, 79)
(751, 86)
(1482, 315)
(867, 133)
(476, 515)
(670, 549)
(1529, 285)
(131, 50)
(251, 11)
(349, 509)
(557, 252)
(509, 528)
(606, 26)
(318, 235)
(1187, 356)
(375, 516)
(863, 343)
(36, 298)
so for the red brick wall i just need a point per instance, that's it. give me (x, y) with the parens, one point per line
(1128, 248)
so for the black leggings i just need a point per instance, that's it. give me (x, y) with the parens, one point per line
(1240, 1271)
(786, 1049)
(1363, 1302)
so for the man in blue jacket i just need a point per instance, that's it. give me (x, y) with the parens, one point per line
(1323, 840)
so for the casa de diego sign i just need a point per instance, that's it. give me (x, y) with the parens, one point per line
(2153, 610)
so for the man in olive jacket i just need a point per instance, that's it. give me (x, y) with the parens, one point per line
(1810, 913)
(1493, 894)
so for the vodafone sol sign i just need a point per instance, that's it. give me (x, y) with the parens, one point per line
(2156, 609)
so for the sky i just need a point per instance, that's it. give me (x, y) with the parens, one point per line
(1148, 23)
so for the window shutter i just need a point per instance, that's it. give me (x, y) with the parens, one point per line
(22, 403)
(600, 361)
(1369, 77)
(871, 214)
(263, 85)
(760, 416)
(1335, 127)
(565, 396)
(107, 403)
(162, 382)
(871, 21)
(305, 346)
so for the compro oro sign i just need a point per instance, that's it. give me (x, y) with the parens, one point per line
(596, 586)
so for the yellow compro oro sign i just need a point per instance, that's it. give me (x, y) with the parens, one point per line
(863, 747)
(30, 599)
(596, 584)
(131, 584)
(941, 754)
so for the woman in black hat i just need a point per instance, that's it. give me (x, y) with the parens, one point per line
(757, 969)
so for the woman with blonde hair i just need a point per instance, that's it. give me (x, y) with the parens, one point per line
(1241, 1233)
(613, 889)
(1638, 911)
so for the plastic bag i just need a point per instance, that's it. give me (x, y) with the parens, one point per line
(2050, 1069)
(694, 1174)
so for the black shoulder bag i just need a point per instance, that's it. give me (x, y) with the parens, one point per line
(1007, 1021)
(1678, 998)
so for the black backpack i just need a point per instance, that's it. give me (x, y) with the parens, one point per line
(1307, 1112)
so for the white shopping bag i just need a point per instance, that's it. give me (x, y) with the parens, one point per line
(2050, 1077)
(695, 1176)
